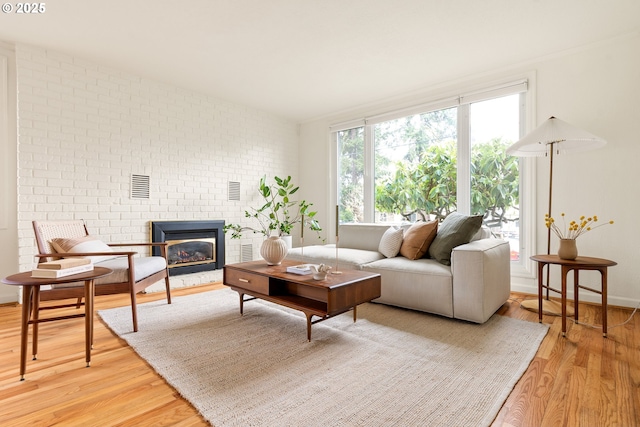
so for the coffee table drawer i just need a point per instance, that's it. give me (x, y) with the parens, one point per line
(248, 281)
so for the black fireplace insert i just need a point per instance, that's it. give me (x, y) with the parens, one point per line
(193, 246)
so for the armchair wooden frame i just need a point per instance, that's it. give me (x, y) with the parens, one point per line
(46, 253)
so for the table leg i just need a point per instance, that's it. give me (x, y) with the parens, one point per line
(565, 271)
(355, 308)
(35, 310)
(576, 299)
(603, 272)
(540, 296)
(24, 328)
(309, 315)
(88, 319)
(241, 303)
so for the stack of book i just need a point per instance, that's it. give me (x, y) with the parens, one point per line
(302, 269)
(61, 268)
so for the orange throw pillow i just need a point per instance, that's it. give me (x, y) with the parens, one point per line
(418, 238)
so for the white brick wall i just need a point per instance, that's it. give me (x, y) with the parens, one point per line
(84, 128)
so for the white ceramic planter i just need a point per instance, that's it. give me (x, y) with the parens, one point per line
(273, 250)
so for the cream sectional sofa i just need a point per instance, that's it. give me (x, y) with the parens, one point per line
(472, 288)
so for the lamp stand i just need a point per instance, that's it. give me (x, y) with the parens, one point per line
(336, 271)
(550, 307)
(546, 140)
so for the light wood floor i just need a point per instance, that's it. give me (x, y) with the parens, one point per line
(582, 380)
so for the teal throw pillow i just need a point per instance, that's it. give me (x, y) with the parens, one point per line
(456, 229)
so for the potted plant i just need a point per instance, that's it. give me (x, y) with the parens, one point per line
(276, 218)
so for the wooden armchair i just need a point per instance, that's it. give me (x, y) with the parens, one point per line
(131, 274)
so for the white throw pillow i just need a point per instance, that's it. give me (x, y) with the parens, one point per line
(84, 244)
(390, 242)
(483, 233)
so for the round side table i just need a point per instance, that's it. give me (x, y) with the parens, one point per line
(580, 263)
(31, 307)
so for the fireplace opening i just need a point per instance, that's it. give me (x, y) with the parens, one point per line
(190, 252)
(193, 246)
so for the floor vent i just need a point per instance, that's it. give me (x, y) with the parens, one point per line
(246, 253)
(139, 186)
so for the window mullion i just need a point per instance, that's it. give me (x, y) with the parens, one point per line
(369, 174)
(463, 203)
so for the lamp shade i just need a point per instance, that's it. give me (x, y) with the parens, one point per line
(558, 134)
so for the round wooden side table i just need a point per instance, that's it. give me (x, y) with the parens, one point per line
(31, 307)
(580, 263)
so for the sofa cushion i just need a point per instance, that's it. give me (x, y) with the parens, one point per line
(326, 254)
(456, 229)
(391, 241)
(417, 239)
(363, 236)
(83, 244)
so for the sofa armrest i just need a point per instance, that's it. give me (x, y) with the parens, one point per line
(481, 278)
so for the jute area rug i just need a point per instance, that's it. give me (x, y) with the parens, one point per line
(391, 367)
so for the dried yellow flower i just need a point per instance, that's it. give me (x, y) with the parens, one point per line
(574, 229)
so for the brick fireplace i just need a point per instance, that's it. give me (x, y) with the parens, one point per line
(193, 246)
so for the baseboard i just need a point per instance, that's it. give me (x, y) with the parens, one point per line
(585, 296)
(186, 280)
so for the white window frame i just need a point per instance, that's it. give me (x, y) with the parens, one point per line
(522, 268)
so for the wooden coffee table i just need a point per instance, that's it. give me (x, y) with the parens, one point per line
(337, 294)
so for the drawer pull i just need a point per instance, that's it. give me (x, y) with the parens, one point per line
(243, 280)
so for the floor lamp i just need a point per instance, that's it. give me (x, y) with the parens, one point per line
(554, 136)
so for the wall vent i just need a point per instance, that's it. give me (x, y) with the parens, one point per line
(139, 186)
(234, 190)
(246, 253)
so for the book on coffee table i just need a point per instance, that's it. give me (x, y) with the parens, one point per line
(302, 269)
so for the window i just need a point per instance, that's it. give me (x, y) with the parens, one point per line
(416, 167)
(495, 177)
(351, 174)
(422, 165)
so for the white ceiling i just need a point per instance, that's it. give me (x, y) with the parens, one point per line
(303, 59)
